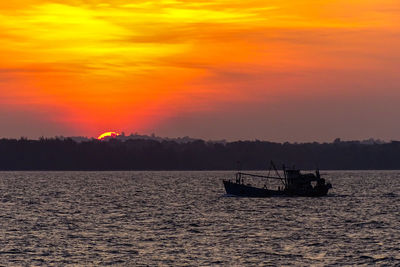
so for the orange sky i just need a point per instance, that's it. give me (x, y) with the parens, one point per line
(276, 70)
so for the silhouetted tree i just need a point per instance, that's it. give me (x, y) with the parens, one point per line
(66, 154)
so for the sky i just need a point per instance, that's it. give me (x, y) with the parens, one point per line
(273, 70)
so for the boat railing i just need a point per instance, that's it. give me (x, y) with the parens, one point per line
(240, 174)
(260, 176)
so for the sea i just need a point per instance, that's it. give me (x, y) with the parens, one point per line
(184, 218)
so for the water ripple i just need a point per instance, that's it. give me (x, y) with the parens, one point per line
(184, 218)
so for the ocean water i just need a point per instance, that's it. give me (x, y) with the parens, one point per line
(185, 218)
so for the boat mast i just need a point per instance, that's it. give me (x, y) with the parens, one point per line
(277, 173)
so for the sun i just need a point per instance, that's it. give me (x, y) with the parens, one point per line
(108, 134)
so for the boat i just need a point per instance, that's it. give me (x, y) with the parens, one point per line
(294, 183)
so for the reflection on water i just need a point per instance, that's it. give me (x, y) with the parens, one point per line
(183, 218)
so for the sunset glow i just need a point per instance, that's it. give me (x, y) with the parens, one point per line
(182, 67)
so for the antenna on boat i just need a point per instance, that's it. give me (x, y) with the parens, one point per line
(285, 174)
(317, 174)
(239, 174)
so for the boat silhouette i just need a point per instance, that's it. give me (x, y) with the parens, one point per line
(294, 183)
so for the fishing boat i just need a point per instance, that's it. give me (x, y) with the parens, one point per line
(293, 183)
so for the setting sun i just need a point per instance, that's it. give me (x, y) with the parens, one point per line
(108, 134)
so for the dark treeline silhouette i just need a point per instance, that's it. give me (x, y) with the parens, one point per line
(66, 154)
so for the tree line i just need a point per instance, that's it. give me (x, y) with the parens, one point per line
(67, 154)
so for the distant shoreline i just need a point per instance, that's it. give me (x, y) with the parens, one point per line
(197, 155)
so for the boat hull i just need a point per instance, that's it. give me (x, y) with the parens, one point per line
(243, 190)
(249, 191)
